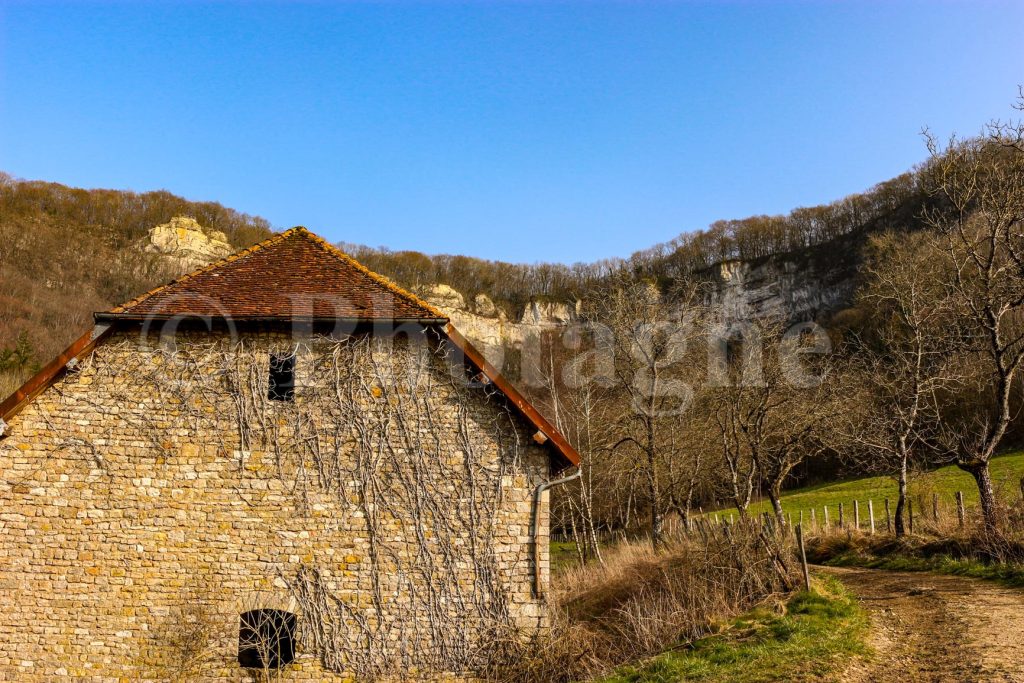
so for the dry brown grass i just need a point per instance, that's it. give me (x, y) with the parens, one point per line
(642, 602)
(931, 542)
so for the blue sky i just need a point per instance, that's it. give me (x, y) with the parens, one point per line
(522, 131)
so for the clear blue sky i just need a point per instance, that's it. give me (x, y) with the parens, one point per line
(523, 131)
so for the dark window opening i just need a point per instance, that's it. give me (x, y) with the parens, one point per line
(266, 639)
(282, 377)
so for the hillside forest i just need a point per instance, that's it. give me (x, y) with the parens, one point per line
(674, 407)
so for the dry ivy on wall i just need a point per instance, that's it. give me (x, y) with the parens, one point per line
(382, 428)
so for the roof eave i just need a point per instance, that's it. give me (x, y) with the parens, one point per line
(554, 440)
(109, 317)
(52, 371)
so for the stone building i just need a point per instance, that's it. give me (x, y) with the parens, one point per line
(279, 467)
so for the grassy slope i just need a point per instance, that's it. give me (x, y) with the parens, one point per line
(1007, 471)
(811, 641)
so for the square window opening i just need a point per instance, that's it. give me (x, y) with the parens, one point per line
(282, 377)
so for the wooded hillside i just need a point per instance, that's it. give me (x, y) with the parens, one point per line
(66, 252)
(895, 204)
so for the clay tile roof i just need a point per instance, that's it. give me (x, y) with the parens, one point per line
(294, 274)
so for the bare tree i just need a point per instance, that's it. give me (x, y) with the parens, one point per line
(576, 402)
(902, 363)
(652, 382)
(768, 410)
(723, 435)
(981, 180)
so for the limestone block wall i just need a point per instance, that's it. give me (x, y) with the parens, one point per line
(154, 494)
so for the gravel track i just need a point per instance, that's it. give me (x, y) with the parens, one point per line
(931, 627)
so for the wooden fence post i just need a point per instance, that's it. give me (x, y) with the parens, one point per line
(825, 518)
(841, 524)
(888, 518)
(856, 515)
(935, 507)
(960, 508)
(814, 521)
(871, 516)
(803, 556)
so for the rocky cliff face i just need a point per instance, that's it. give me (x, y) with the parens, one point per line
(792, 288)
(185, 245)
(490, 327)
(779, 289)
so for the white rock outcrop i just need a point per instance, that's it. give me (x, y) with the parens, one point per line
(186, 245)
(482, 305)
(490, 328)
(444, 297)
(777, 289)
(548, 313)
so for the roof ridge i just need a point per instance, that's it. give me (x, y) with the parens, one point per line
(273, 239)
(373, 275)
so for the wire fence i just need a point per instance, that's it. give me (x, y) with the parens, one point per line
(935, 513)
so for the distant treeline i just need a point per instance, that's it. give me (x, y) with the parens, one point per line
(895, 203)
(120, 216)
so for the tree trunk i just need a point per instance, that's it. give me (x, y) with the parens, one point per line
(986, 494)
(656, 519)
(901, 500)
(775, 496)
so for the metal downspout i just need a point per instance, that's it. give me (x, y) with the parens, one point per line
(535, 530)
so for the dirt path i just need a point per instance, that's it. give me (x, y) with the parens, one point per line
(929, 627)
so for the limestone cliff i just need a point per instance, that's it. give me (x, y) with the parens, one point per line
(490, 327)
(790, 288)
(793, 287)
(185, 245)
(779, 288)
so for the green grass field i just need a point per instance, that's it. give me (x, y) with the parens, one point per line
(1007, 471)
(811, 641)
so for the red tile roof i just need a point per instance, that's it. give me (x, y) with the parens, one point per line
(293, 275)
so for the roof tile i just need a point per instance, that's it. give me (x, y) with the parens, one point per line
(291, 275)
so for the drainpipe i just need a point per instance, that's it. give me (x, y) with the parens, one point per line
(535, 531)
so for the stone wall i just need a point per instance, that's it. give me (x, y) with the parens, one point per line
(154, 494)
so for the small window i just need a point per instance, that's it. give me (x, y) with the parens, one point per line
(282, 377)
(266, 639)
